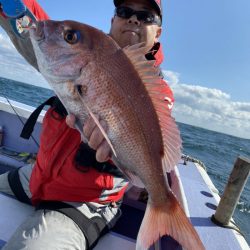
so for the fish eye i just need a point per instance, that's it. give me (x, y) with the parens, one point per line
(71, 36)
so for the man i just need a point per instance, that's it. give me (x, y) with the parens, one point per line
(66, 174)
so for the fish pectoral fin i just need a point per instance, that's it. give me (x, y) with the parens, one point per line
(130, 176)
(133, 179)
(102, 130)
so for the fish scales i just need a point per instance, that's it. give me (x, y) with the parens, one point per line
(125, 118)
(131, 103)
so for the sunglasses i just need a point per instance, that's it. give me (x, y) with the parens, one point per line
(142, 15)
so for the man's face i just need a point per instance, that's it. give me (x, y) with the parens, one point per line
(132, 31)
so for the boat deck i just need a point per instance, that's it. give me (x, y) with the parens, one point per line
(202, 203)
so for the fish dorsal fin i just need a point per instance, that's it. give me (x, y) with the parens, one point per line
(157, 90)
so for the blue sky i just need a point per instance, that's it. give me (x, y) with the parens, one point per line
(207, 57)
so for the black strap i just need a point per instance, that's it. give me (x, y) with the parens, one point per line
(16, 186)
(30, 123)
(92, 228)
(59, 108)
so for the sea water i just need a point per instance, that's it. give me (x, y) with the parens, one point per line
(216, 150)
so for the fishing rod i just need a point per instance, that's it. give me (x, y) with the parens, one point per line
(20, 19)
(35, 141)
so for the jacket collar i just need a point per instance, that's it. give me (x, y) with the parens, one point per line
(156, 53)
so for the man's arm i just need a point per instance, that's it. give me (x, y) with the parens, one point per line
(24, 46)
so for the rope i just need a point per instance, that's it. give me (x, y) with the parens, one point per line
(234, 226)
(186, 158)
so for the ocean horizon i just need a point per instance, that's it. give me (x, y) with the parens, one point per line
(216, 150)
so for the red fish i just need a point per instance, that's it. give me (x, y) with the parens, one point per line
(93, 76)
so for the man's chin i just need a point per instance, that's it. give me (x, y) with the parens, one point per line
(128, 42)
(128, 39)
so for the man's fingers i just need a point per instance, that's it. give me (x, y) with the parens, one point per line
(103, 152)
(97, 137)
(89, 127)
(94, 136)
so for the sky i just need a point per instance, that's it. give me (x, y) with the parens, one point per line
(207, 57)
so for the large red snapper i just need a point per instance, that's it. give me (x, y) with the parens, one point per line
(93, 76)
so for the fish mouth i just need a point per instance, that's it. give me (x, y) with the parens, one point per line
(37, 32)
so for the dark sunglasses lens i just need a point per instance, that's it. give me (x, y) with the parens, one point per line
(124, 12)
(145, 16)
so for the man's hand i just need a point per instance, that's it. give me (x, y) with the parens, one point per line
(94, 136)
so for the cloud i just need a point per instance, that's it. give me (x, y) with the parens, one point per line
(171, 77)
(5, 43)
(209, 108)
(14, 66)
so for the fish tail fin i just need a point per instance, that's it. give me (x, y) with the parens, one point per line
(167, 219)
